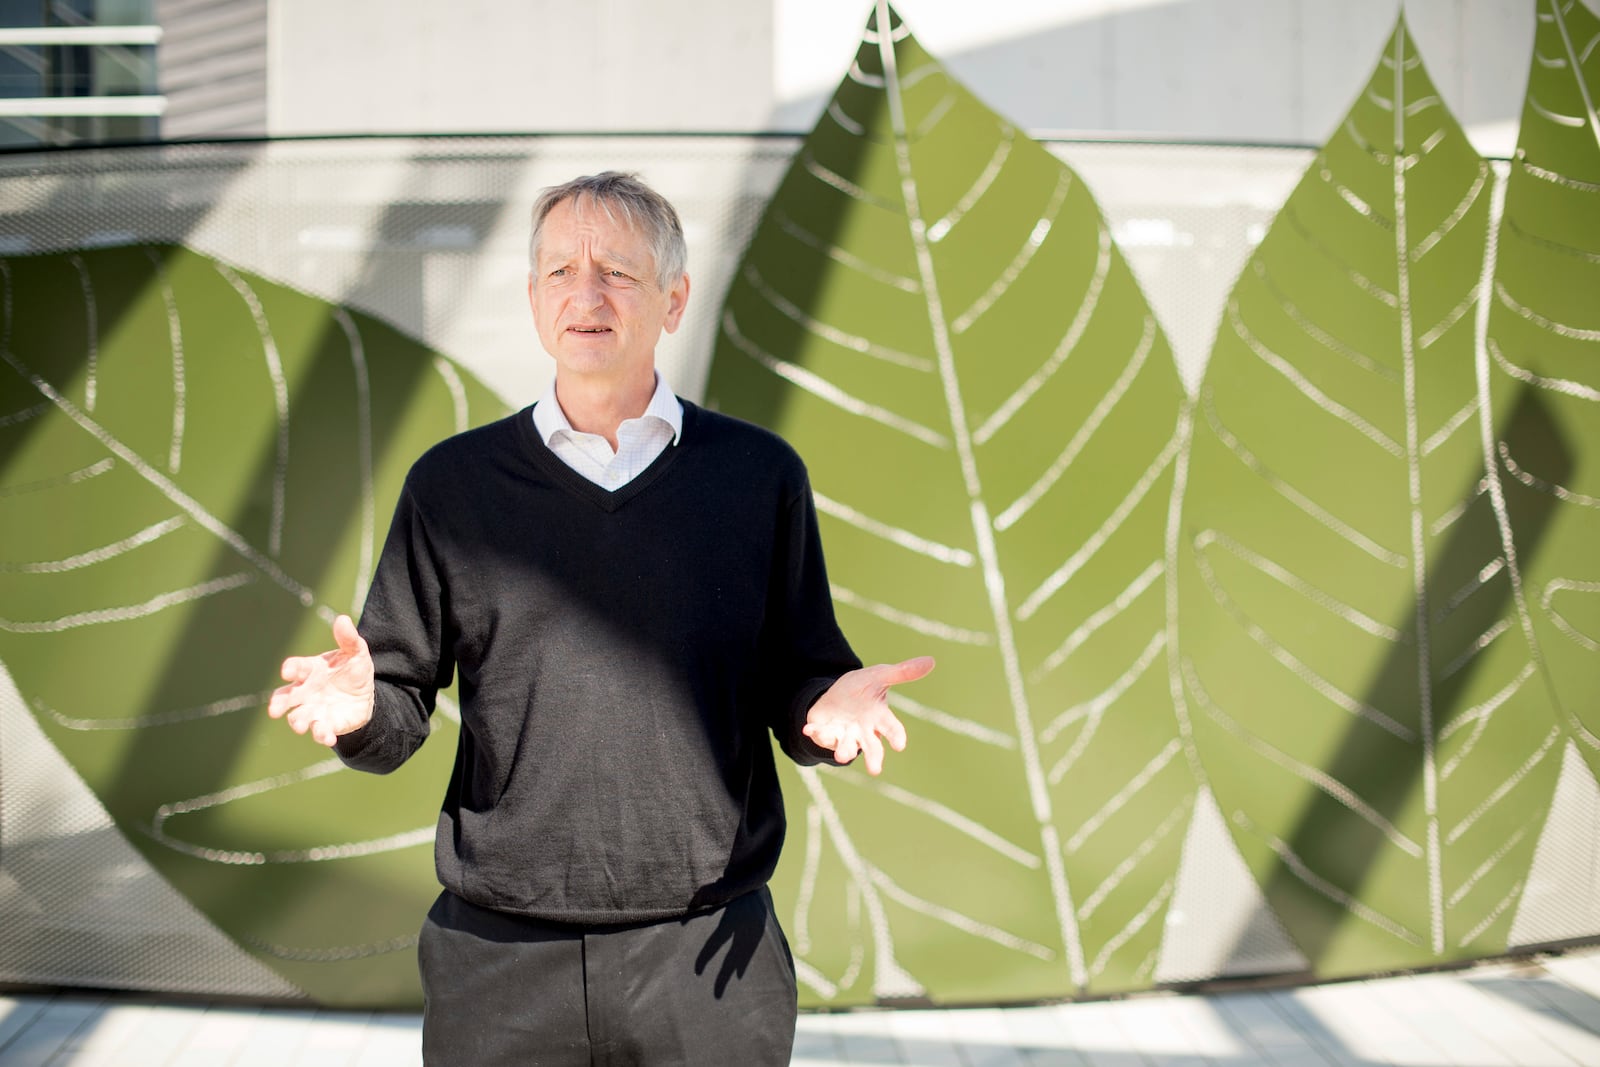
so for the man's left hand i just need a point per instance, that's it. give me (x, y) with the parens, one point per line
(854, 713)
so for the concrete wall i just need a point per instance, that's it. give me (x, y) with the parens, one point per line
(1230, 70)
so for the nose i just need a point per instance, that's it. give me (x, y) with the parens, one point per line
(589, 293)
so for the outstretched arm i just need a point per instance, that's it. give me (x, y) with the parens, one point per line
(330, 694)
(854, 713)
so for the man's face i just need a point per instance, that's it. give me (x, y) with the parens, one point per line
(596, 300)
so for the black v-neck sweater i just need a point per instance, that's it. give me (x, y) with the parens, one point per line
(622, 657)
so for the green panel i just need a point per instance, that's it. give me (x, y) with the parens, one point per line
(1543, 356)
(198, 467)
(1367, 704)
(933, 312)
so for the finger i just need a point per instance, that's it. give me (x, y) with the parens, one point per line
(825, 735)
(847, 747)
(298, 668)
(346, 636)
(872, 749)
(905, 671)
(299, 720)
(283, 698)
(323, 734)
(893, 731)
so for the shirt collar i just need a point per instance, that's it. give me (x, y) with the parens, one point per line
(548, 418)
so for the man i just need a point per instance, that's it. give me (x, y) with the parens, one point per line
(631, 590)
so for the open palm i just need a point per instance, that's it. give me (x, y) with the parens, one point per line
(330, 694)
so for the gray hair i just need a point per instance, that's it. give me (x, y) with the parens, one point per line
(639, 206)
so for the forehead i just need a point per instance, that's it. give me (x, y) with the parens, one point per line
(583, 224)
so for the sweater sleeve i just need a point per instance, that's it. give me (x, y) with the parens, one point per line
(810, 652)
(403, 623)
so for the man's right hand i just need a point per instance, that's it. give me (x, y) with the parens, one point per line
(330, 694)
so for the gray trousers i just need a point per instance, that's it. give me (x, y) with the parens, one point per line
(716, 987)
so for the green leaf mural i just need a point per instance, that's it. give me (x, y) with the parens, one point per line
(1544, 345)
(1367, 703)
(196, 466)
(933, 312)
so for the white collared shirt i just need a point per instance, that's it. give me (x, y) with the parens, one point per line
(639, 441)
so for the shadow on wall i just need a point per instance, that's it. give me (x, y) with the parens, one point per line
(1234, 71)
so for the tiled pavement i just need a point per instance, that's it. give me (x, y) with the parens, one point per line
(1541, 1012)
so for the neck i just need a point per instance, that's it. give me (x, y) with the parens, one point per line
(600, 406)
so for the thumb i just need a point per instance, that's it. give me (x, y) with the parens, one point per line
(905, 671)
(346, 636)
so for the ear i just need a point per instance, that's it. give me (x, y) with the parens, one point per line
(677, 300)
(533, 307)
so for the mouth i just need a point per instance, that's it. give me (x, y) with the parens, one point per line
(589, 329)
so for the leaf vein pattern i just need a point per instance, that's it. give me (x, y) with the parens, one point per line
(842, 338)
(1493, 916)
(1560, 329)
(1458, 509)
(964, 923)
(956, 821)
(1354, 201)
(1333, 605)
(91, 377)
(1557, 178)
(841, 256)
(1317, 333)
(1487, 865)
(954, 723)
(1322, 515)
(458, 391)
(849, 188)
(889, 979)
(169, 489)
(82, 474)
(942, 226)
(1428, 243)
(1505, 787)
(1120, 603)
(280, 397)
(1570, 251)
(1547, 601)
(1132, 860)
(1119, 800)
(983, 530)
(1358, 279)
(1479, 714)
(1297, 867)
(129, 612)
(1030, 246)
(1462, 595)
(1565, 386)
(1091, 425)
(1533, 481)
(1320, 400)
(1445, 324)
(1069, 342)
(1314, 776)
(1093, 712)
(1297, 666)
(1134, 925)
(845, 122)
(358, 367)
(179, 384)
(921, 624)
(934, 116)
(317, 854)
(226, 706)
(150, 533)
(823, 389)
(960, 557)
(1064, 573)
(1448, 430)
(32, 411)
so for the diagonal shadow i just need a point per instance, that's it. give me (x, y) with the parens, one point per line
(1389, 775)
